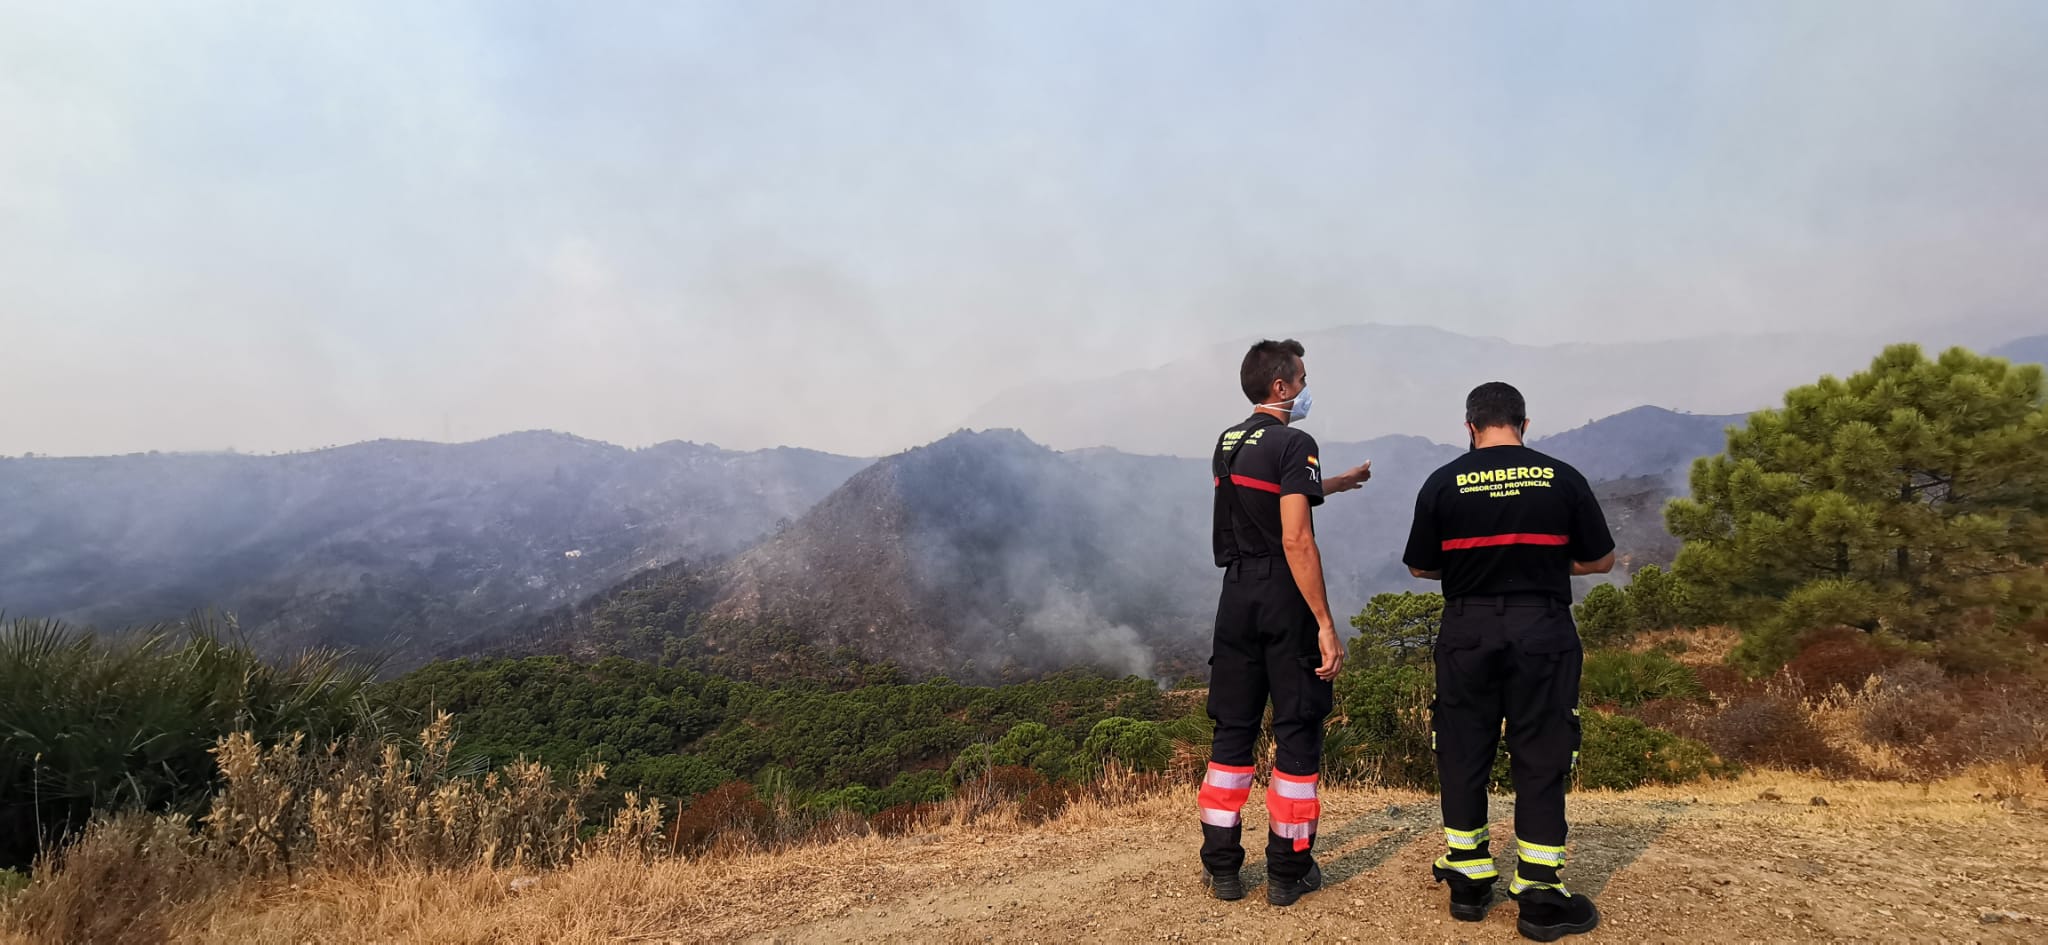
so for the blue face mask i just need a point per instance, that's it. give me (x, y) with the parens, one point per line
(1299, 411)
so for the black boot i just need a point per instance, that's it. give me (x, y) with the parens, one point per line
(1470, 898)
(1284, 892)
(1228, 887)
(1551, 914)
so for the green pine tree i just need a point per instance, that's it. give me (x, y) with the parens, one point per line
(1397, 628)
(1900, 498)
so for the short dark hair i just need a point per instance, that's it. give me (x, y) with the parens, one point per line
(1496, 404)
(1266, 362)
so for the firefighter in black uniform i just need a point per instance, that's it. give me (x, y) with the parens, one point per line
(1505, 527)
(1274, 636)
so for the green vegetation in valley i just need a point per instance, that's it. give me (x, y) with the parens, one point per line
(674, 732)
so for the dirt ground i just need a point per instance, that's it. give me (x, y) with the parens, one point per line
(1749, 860)
(1879, 862)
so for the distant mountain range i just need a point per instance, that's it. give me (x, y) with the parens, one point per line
(1644, 442)
(390, 546)
(986, 555)
(2030, 350)
(1380, 380)
(983, 554)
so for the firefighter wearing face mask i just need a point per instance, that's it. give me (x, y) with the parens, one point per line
(1275, 641)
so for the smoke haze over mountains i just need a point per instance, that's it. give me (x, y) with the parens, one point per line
(848, 227)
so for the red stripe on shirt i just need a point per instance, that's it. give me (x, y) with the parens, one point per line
(1259, 484)
(1491, 541)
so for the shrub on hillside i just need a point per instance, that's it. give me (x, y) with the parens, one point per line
(1383, 725)
(1909, 705)
(1618, 753)
(1982, 644)
(1009, 782)
(103, 723)
(1029, 744)
(1658, 600)
(677, 776)
(1622, 678)
(903, 818)
(1603, 617)
(1767, 725)
(856, 798)
(1840, 656)
(727, 815)
(915, 787)
(2007, 726)
(1044, 802)
(1134, 744)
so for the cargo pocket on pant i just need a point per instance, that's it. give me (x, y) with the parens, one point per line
(1318, 698)
(1449, 677)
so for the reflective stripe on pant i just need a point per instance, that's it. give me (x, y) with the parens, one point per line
(1294, 808)
(1469, 855)
(1225, 788)
(1538, 865)
(1520, 665)
(1265, 650)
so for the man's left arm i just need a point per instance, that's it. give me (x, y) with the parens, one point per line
(1348, 479)
(1592, 545)
(1424, 555)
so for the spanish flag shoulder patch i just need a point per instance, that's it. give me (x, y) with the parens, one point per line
(1312, 461)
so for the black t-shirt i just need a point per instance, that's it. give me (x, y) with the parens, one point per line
(1255, 463)
(1506, 520)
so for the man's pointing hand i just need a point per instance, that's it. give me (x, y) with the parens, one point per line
(1347, 480)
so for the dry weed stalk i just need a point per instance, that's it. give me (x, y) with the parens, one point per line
(355, 806)
(636, 830)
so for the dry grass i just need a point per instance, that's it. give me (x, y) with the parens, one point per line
(1695, 646)
(392, 847)
(612, 898)
(117, 882)
(284, 811)
(613, 895)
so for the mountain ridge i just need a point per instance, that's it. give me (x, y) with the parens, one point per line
(391, 545)
(987, 555)
(1376, 380)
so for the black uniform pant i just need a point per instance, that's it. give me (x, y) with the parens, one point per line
(1265, 649)
(1514, 659)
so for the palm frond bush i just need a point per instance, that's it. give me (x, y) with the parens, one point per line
(94, 721)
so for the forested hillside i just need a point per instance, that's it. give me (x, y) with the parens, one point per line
(395, 547)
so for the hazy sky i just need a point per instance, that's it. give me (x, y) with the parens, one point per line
(845, 225)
